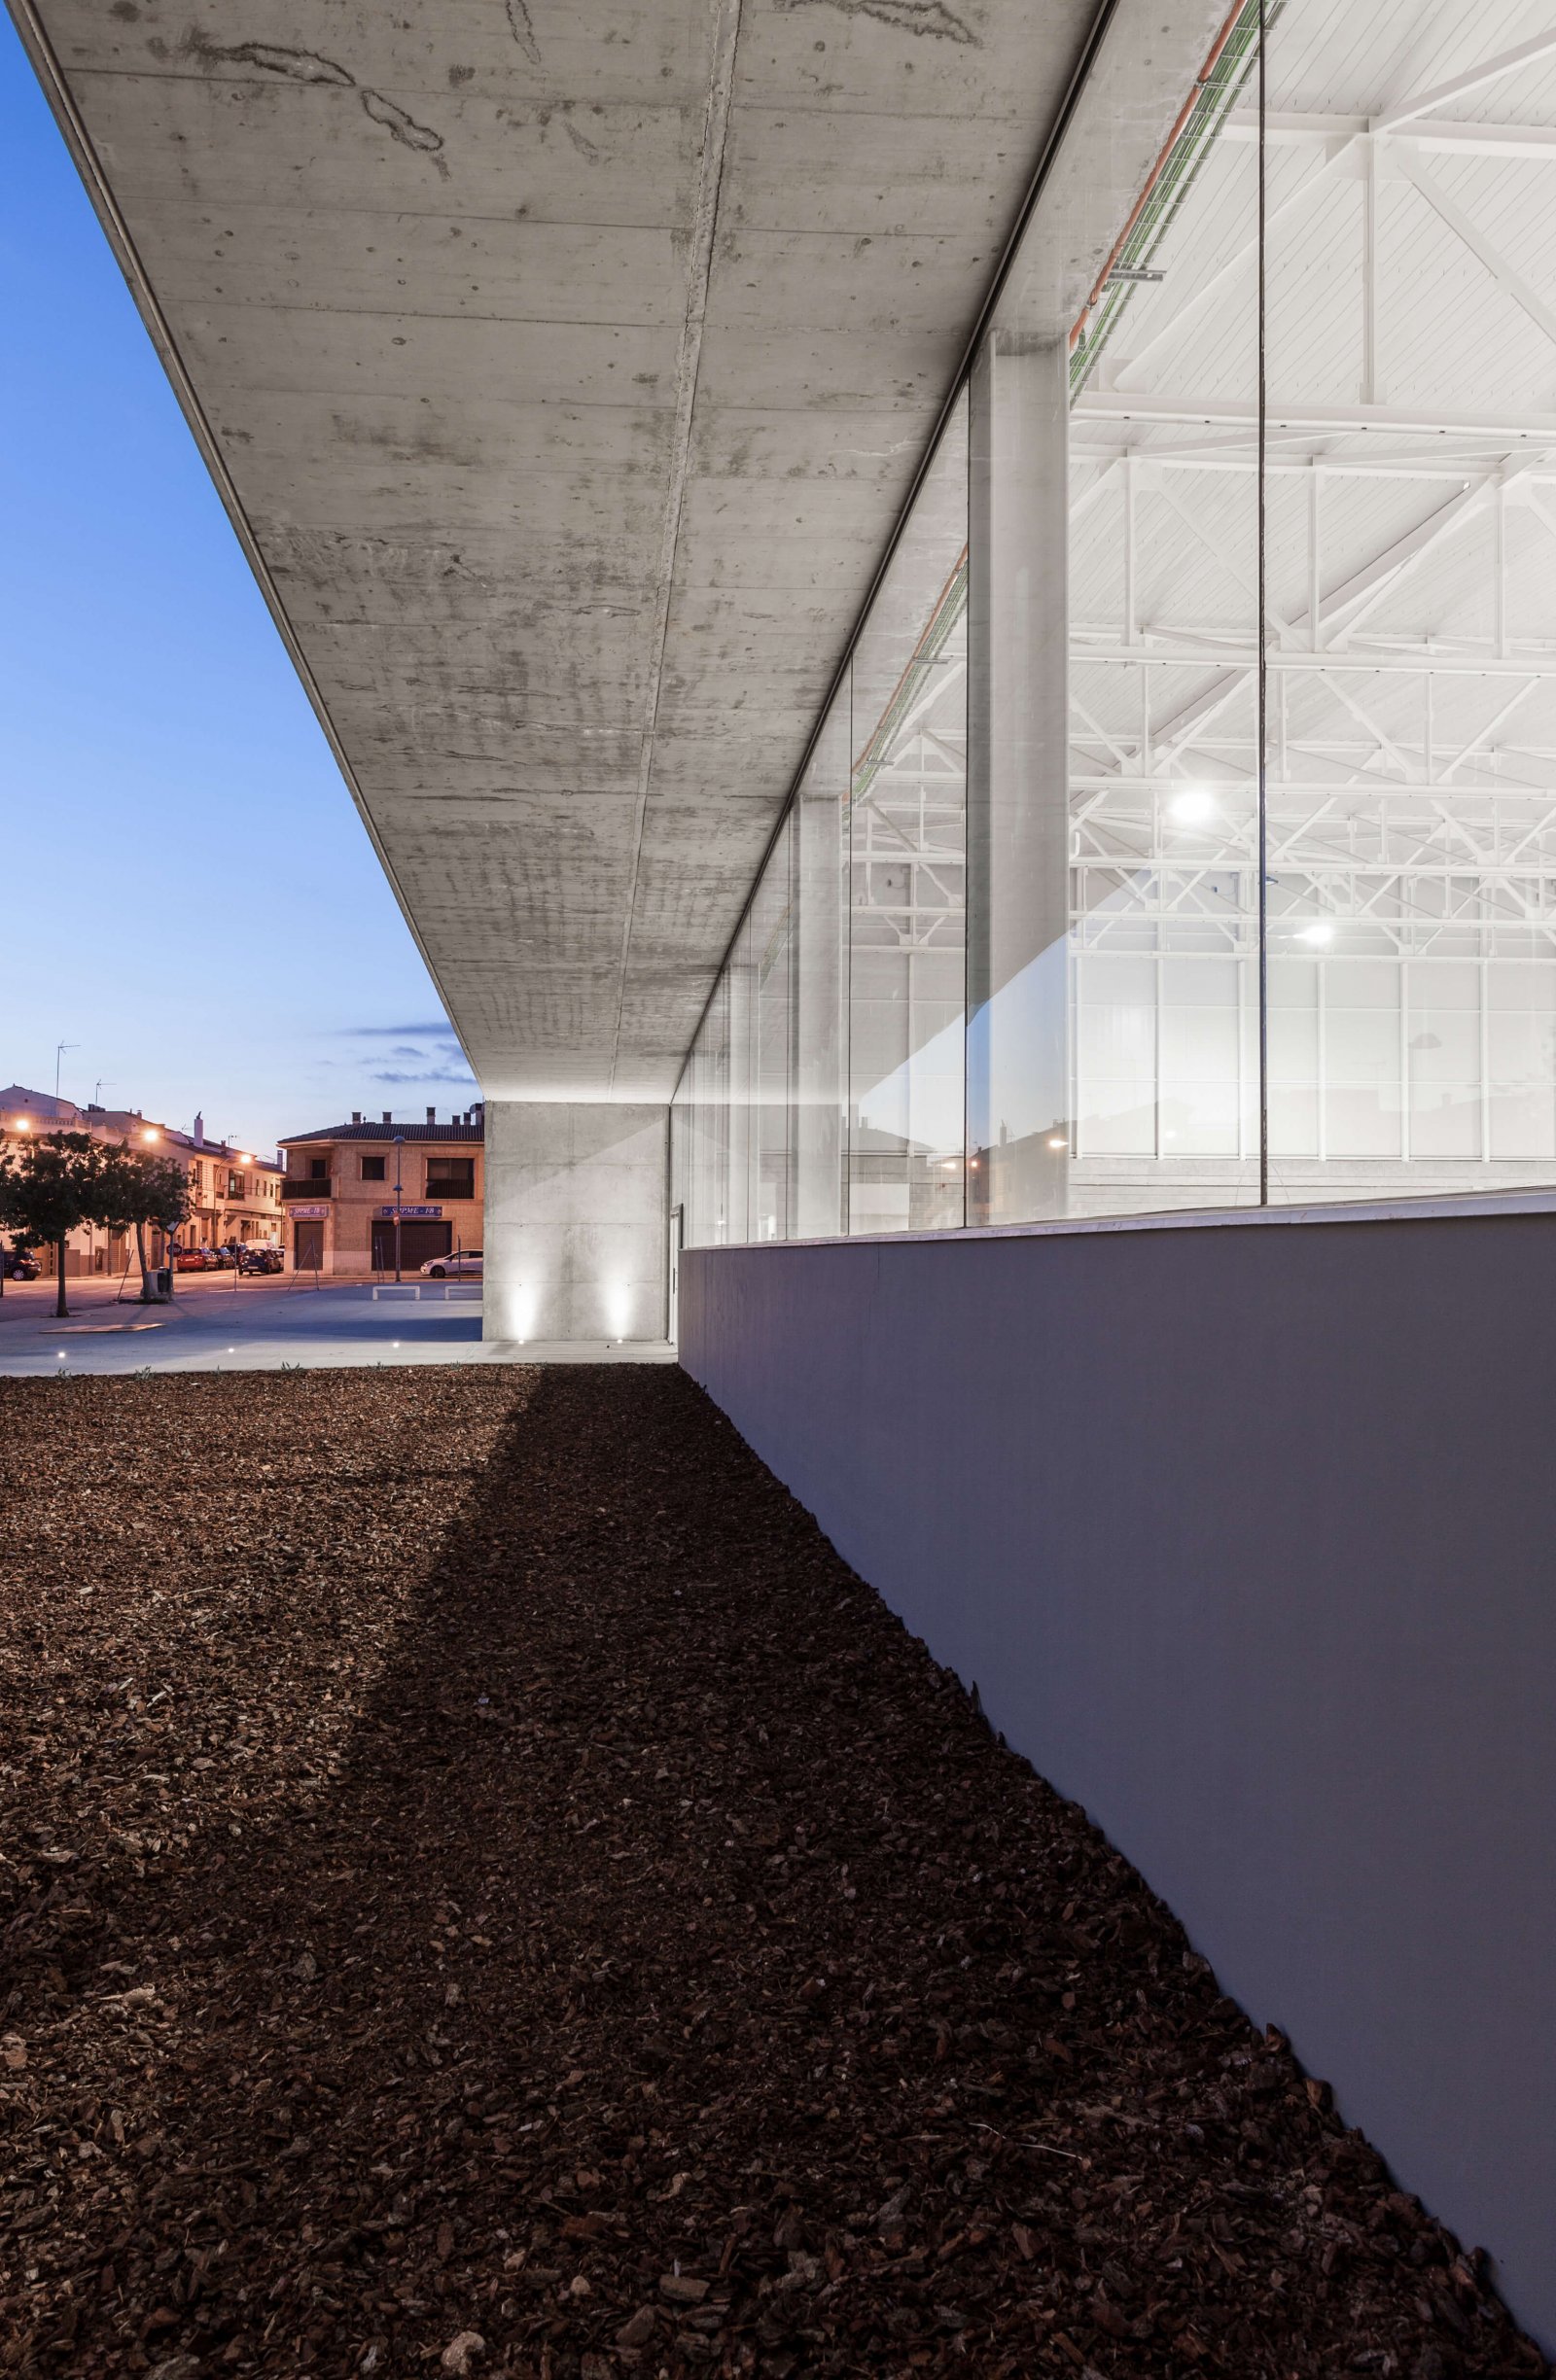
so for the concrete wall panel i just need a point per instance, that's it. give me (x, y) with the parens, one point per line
(575, 1221)
(1246, 1536)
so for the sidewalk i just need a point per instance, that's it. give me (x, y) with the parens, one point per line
(268, 1324)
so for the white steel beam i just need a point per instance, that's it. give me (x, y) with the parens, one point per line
(1436, 138)
(1307, 420)
(1208, 656)
(1508, 278)
(1491, 70)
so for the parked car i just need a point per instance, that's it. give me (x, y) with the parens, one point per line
(194, 1260)
(21, 1264)
(462, 1265)
(259, 1260)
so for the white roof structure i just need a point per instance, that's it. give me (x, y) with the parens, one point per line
(1411, 495)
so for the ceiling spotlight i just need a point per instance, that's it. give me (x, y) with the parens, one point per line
(1192, 806)
(1317, 933)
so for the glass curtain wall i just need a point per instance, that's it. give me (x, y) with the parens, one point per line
(1102, 892)
(907, 870)
(1411, 492)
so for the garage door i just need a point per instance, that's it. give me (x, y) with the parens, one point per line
(418, 1241)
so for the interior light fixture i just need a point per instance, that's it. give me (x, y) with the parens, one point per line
(1318, 933)
(1192, 806)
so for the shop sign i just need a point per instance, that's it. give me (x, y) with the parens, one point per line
(308, 1214)
(412, 1215)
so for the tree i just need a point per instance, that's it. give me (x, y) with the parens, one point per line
(136, 1188)
(50, 1189)
(8, 1168)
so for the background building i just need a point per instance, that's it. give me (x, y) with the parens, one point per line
(339, 1196)
(235, 1193)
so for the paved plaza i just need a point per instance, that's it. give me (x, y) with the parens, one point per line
(218, 1323)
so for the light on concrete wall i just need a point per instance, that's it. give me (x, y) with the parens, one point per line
(575, 1221)
(518, 1305)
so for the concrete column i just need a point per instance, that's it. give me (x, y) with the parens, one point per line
(576, 1221)
(1019, 827)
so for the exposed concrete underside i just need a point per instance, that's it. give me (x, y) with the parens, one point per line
(567, 367)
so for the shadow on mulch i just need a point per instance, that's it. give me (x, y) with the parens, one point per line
(559, 1923)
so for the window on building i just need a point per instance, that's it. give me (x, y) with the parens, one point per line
(372, 1169)
(451, 1177)
(318, 1169)
(234, 1185)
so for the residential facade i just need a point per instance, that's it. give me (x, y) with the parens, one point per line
(235, 1193)
(343, 1187)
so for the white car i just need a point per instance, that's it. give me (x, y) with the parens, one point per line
(462, 1265)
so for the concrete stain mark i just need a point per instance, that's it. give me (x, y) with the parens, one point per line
(581, 141)
(403, 127)
(522, 29)
(917, 16)
(297, 65)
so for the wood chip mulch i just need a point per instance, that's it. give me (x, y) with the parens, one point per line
(485, 1889)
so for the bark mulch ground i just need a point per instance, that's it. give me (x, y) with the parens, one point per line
(486, 1890)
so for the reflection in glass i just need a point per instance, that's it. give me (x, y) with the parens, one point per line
(907, 870)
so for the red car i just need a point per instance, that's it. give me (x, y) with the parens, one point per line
(194, 1260)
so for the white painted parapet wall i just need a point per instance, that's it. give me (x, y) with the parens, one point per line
(575, 1223)
(1248, 1538)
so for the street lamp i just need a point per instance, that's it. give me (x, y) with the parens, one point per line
(399, 1142)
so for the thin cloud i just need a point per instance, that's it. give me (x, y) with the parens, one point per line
(463, 1082)
(440, 1030)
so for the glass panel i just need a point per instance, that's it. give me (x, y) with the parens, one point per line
(772, 918)
(819, 978)
(1113, 1047)
(907, 870)
(707, 1215)
(742, 1016)
(1411, 496)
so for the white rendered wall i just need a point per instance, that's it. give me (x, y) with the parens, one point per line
(576, 1221)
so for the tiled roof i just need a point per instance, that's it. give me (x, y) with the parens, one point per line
(389, 1131)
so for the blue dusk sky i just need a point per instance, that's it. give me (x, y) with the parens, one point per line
(188, 894)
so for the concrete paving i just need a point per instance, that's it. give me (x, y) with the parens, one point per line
(270, 1326)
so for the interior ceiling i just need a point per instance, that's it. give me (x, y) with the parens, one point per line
(565, 367)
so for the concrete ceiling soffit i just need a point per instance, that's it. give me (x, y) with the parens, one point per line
(563, 370)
